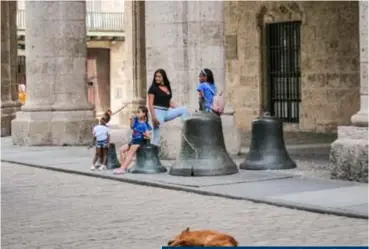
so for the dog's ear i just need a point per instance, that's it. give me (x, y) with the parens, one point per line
(187, 229)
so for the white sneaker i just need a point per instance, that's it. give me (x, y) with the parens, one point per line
(93, 167)
(102, 167)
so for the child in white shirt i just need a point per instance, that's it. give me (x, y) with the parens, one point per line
(102, 139)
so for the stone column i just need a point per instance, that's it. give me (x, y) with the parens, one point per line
(167, 31)
(134, 82)
(349, 153)
(9, 86)
(183, 37)
(361, 118)
(57, 111)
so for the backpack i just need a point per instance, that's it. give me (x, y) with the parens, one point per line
(218, 102)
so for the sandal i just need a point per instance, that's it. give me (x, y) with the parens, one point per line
(119, 171)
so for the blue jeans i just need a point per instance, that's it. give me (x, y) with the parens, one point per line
(164, 115)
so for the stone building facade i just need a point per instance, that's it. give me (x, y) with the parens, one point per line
(329, 60)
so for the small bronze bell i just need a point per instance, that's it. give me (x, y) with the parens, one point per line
(267, 150)
(113, 162)
(203, 151)
(147, 160)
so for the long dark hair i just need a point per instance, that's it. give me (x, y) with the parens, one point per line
(209, 75)
(165, 78)
(145, 110)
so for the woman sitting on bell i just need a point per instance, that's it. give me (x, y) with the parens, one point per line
(161, 106)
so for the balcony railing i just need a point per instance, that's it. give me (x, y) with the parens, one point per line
(104, 21)
(95, 21)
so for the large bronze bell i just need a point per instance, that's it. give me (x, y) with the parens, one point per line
(147, 160)
(203, 151)
(113, 162)
(267, 150)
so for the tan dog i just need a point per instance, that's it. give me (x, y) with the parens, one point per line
(202, 238)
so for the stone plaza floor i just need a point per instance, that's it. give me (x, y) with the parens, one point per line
(48, 210)
(306, 188)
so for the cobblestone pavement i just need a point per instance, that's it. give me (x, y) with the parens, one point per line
(47, 209)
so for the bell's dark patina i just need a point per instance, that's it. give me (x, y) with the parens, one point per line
(267, 150)
(203, 151)
(147, 160)
(113, 162)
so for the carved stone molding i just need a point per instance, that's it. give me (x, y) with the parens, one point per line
(281, 12)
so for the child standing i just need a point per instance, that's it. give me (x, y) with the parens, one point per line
(101, 139)
(207, 90)
(141, 130)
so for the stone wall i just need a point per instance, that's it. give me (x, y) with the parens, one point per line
(329, 60)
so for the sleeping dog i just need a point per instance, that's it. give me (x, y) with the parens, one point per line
(202, 238)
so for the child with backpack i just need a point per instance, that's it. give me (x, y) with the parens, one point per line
(208, 100)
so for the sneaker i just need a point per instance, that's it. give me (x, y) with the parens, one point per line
(93, 167)
(119, 171)
(102, 167)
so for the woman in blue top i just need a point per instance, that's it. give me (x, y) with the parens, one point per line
(207, 90)
(141, 130)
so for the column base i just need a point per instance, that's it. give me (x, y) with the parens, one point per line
(8, 111)
(349, 154)
(360, 119)
(53, 128)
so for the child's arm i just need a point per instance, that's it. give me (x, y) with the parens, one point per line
(200, 89)
(132, 121)
(147, 134)
(108, 138)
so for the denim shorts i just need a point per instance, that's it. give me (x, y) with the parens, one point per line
(136, 141)
(102, 143)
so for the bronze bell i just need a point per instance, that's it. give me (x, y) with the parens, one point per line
(203, 152)
(267, 150)
(147, 160)
(113, 162)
